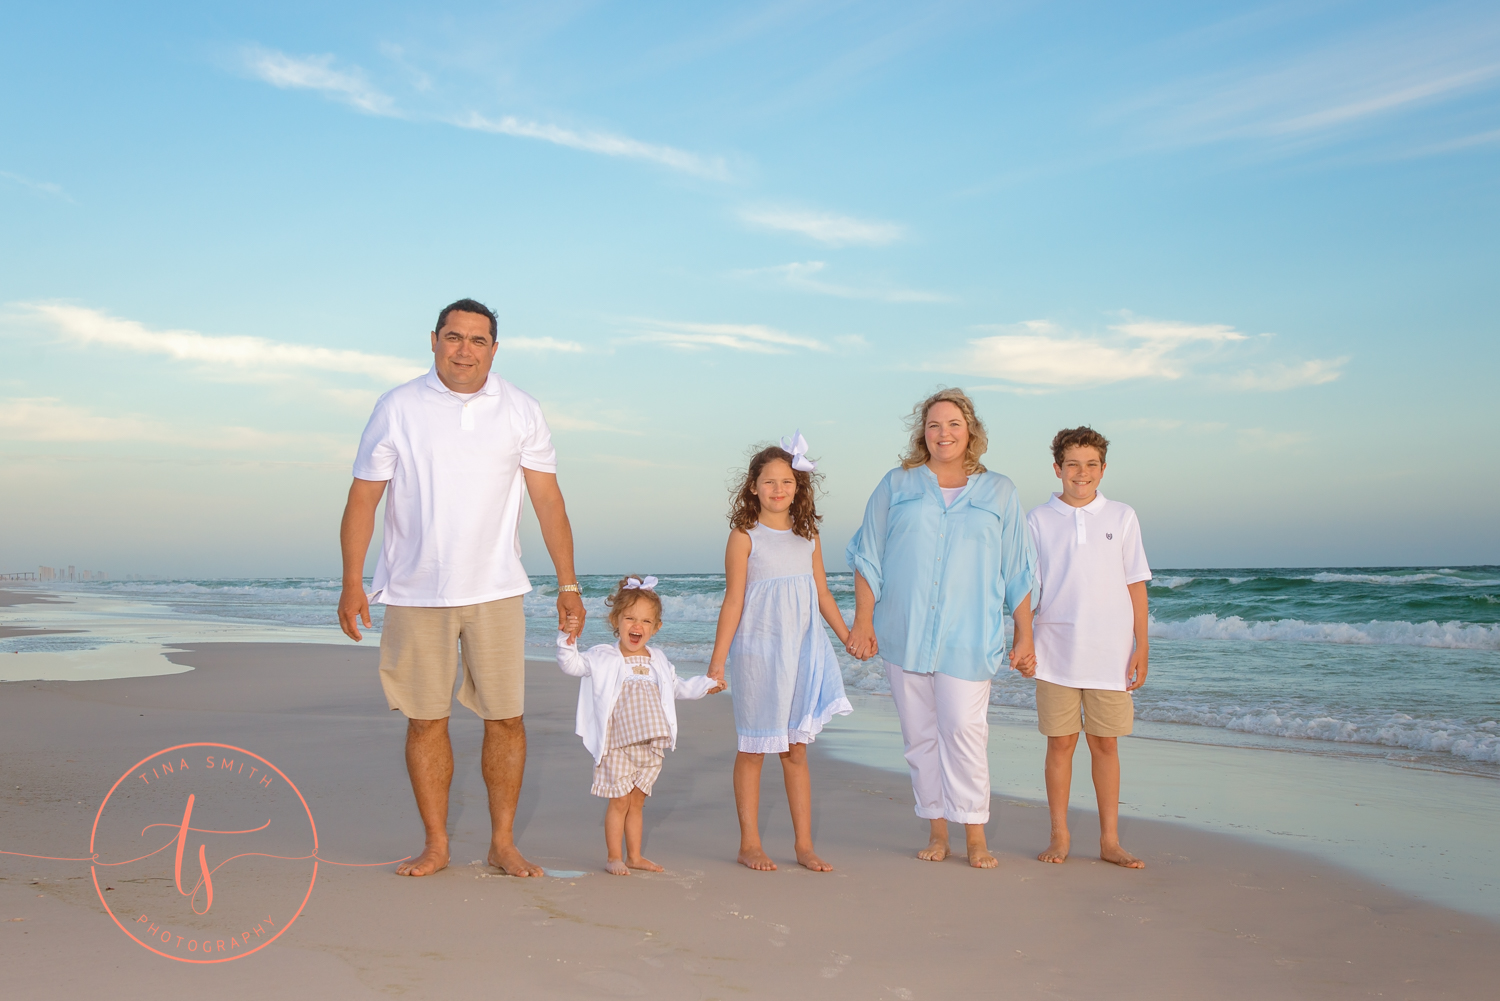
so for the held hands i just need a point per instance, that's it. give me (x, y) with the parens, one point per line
(1135, 674)
(354, 608)
(861, 643)
(719, 686)
(570, 614)
(1023, 657)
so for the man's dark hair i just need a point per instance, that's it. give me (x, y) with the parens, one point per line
(468, 306)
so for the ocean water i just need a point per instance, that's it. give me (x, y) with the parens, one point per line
(1397, 662)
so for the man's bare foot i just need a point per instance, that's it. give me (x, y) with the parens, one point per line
(616, 868)
(640, 862)
(431, 860)
(755, 858)
(1119, 856)
(1057, 850)
(509, 861)
(935, 851)
(809, 860)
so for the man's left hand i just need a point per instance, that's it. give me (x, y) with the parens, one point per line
(570, 614)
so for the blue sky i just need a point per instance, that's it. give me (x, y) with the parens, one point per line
(1254, 244)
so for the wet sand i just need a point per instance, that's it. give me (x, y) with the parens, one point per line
(1211, 916)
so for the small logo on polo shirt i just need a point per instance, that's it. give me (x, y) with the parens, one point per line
(1109, 535)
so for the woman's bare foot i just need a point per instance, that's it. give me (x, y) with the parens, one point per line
(643, 863)
(755, 858)
(616, 868)
(808, 859)
(509, 861)
(1120, 857)
(432, 859)
(1057, 850)
(935, 851)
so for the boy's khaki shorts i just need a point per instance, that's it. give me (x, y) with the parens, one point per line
(1062, 711)
(419, 659)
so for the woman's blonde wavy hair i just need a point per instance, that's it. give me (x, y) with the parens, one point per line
(979, 441)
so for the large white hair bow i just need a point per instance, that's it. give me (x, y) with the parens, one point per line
(797, 445)
(639, 584)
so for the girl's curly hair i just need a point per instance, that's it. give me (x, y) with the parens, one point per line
(623, 599)
(979, 441)
(744, 506)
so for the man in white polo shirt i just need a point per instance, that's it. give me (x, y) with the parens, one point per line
(1090, 632)
(456, 448)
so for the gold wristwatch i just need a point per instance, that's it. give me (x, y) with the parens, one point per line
(566, 588)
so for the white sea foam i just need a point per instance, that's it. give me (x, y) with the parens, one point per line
(1447, 635)
(1173, 583)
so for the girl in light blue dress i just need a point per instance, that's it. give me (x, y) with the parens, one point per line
(785, 677)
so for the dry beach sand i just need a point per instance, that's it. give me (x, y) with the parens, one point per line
(1212, 916)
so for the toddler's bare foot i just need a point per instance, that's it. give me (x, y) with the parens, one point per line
(808, 859)
(643, 863)
(432, 859)
(616, 868)
(1119, 856)
(509, 861)
(935, 851)
(1057, 850)
(755, 858)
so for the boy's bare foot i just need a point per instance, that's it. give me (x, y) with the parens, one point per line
(935, 851)
(643, 863)
(616, 868)
(509, 861)
(1119, 856)
(432, 859)
(981, 858)
(1057, 851)
(809, 860)
(755, 858)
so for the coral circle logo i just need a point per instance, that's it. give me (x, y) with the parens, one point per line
(204, 853)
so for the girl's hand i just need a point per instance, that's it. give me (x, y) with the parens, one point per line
(719, 686)
(861, 643)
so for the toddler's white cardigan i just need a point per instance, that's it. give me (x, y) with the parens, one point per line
(603, 670)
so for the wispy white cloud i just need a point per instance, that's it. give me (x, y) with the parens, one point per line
(1261, 440)
(1037, 356)
(350, 86)
(752, 338)
(604, 143)
(40, 187)
(824, 227)
(318, 73)
(224, 354)
(539, 344)
(803, 275)
(50, 419)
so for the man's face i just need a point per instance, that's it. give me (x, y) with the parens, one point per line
(464, 351)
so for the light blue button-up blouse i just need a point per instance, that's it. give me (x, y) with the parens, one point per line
(943, 575)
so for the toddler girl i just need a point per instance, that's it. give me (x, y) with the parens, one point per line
(627, 715)
(786, 676)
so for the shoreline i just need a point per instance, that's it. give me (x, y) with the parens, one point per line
(1213, 915)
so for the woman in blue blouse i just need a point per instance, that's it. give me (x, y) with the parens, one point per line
(943, 552)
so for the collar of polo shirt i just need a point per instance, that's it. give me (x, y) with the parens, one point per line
(1063, 507)
(491, 384)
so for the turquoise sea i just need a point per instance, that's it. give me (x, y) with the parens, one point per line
(1394, 662)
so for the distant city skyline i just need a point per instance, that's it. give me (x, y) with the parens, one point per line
(1252, 243)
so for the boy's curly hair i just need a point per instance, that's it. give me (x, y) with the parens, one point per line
(979, 441)
(1079, 437)
(744, 506)
(623, 598)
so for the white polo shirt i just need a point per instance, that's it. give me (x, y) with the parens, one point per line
(1086, 557)
(453, 503)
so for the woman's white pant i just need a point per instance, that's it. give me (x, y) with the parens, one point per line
(947, 735)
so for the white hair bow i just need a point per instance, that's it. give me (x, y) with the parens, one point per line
(637, 584)
(797, 445)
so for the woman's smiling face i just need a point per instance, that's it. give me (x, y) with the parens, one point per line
(947, 432)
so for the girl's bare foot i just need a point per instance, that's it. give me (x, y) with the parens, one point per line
(808, 859)
(1057, 850)
(616, 868)
(935, 851)
(755, 858)
(979, 853)
(643, 863)
(432, 859)
(1119, 856)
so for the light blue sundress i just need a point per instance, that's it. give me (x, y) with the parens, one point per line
(783, 674)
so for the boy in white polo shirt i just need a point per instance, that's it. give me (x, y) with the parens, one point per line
(1090, 629)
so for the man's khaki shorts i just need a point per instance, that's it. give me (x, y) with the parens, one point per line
(1062, 711)
(419, 659)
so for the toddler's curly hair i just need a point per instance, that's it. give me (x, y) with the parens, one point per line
(623, 598)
